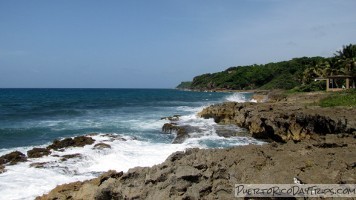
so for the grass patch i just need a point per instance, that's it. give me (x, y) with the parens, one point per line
(343, 98)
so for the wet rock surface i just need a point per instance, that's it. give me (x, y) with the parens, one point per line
(38, 152)
(78, 141)
(58, 145)
(13, 158)
(184, 131)
(39, 164)
(181, 131)
(213, 173)
(70, 156)
(101, 146)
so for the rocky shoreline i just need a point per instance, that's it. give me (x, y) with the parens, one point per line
(16, 157)
(315, 144)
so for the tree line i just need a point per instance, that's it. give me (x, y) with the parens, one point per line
(297, 74)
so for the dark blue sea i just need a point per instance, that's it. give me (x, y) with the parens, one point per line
(35, 117)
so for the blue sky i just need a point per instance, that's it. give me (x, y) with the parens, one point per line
(157, 44)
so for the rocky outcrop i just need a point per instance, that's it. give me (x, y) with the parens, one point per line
(17, 156)
(182, 131)
(38, 152)
(13, 158)
(212, 173)
(282, 122)
(78, 141)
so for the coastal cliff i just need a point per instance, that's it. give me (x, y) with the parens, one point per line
(316, 145)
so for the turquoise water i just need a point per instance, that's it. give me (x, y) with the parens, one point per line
(35, 117)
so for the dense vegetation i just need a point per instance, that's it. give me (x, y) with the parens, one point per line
(297, 74)
(184, 85)
(342, 98)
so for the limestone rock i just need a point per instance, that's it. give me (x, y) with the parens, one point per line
(282, 122)
(212, 173)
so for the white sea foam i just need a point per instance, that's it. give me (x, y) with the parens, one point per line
(239, 97)
(14, 183)
(122, 156)
(190, 109)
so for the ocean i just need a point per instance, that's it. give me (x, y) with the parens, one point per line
(35, 117)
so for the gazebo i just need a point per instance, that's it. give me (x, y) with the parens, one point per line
(333, 82)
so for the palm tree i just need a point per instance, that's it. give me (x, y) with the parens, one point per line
(321, 70)
(347, 58)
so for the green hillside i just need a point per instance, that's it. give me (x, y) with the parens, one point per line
(298, 73)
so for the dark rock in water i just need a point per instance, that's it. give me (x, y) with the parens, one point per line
(38, 165)
(182, 132)
(170, 127)
(70, 156)
(38, 152)
(2, 169)
(102, 145)
(13, 158)
(114, 137)
(172, 118)
(79, 141)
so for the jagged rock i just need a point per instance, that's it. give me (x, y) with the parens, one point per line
(212, 173)
(102, 145)
(38, 152)
(182, 131)
(13, 158)
(78, 141)
(188, 173)
(281, 122)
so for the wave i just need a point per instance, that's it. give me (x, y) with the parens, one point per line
(47, 172)
(240, 97)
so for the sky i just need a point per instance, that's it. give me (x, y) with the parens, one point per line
(159, 43)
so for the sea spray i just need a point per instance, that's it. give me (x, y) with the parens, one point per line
(240, 97)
